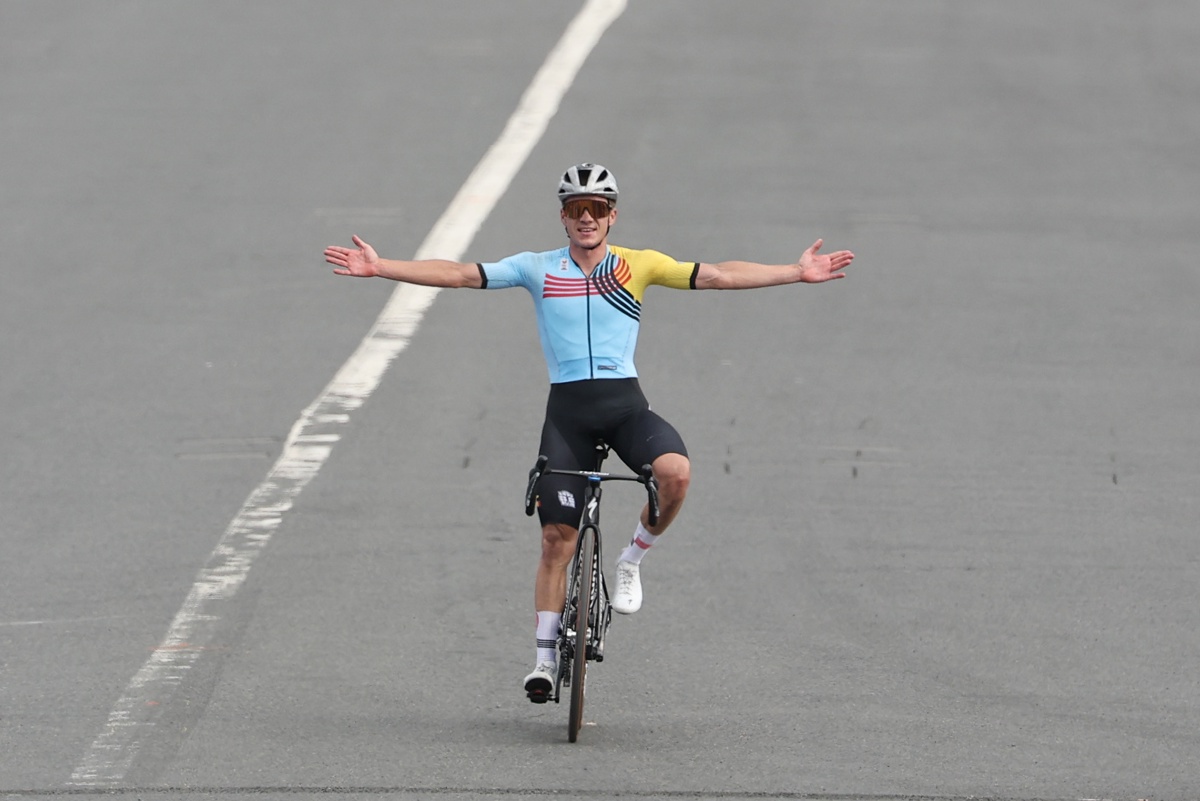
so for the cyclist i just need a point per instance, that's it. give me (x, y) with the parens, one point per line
(588, 300)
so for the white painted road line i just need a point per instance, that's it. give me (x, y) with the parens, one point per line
(313, 436)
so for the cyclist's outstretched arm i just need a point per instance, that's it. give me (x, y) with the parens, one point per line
(361, 261)
(812, 268)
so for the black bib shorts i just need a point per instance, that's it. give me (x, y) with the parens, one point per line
(580, 412)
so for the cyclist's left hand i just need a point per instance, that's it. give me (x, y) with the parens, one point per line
(817, 267)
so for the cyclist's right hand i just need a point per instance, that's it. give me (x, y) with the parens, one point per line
(360, 261)
(535, 476)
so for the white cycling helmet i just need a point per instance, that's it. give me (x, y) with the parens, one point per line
(588, 179)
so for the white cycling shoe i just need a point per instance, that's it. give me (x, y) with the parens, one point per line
(540, 683)
(628, 597)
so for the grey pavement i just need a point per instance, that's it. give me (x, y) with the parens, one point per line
(940, 541)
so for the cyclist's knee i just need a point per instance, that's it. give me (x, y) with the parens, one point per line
(558, 542)
(674, 473)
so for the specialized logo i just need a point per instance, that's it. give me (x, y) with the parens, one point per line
(566, 498)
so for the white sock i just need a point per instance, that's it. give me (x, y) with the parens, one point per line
(642, 540)
(547, 636)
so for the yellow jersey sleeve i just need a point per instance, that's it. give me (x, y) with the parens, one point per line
(648, 267)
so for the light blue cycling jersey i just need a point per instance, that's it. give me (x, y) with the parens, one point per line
(589, 324)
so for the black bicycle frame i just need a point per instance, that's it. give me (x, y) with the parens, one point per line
(600, 610)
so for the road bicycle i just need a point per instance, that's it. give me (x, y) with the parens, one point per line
(587, 612)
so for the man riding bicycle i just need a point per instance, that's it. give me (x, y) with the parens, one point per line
(588, 300)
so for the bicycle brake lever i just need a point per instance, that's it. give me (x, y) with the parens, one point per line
(535, 475)
(651, 494)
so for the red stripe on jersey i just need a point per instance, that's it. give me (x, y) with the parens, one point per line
(557, 287)
(559, 281)
(563, 287)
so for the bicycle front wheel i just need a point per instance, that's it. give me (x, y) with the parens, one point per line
(585, 570)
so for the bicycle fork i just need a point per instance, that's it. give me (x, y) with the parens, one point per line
(599, 618)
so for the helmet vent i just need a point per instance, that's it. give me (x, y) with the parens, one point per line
(585, 176)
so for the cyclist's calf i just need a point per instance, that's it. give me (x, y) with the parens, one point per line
(558, 546)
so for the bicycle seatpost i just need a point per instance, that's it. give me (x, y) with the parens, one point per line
(601, 453)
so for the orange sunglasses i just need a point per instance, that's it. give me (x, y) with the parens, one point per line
(597, 207)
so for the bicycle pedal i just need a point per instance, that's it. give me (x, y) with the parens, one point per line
(538, 696)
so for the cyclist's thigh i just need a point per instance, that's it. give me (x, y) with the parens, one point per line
(644, 437)
(559, 497)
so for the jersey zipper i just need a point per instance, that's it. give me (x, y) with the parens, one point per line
(587, 279)
(587, 298)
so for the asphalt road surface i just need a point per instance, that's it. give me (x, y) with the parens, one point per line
(941, 537)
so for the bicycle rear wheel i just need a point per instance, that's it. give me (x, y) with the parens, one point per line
(585, 567)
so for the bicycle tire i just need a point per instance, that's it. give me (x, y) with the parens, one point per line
(585, 566)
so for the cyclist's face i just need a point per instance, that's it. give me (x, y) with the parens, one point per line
(585, 230)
